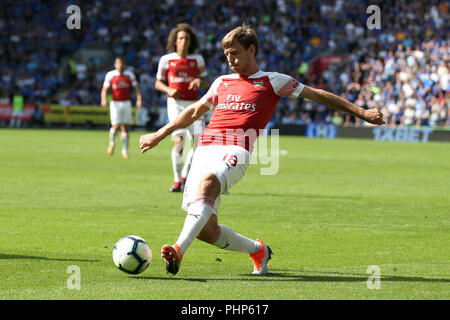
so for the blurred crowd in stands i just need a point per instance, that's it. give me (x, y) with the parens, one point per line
(402, 68)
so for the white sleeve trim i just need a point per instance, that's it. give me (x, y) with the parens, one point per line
(297, 91)
(163, 67)
(108, 77)
(282, 86)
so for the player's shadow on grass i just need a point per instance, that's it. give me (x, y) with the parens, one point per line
(288, 276)
(289, 195)
(338, 277)
(16, 256)
(175, 278)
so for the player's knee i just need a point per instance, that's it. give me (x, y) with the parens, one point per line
(209, 185)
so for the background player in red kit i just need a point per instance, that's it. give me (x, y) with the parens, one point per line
(120, 81)
(242, 102)
(184, 71)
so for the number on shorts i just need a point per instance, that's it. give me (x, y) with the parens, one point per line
(231, 159)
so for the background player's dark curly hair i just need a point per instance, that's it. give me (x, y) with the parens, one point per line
(172, 38)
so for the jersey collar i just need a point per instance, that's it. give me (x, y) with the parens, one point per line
(257, 74)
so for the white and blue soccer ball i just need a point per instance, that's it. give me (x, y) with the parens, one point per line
(132, 254)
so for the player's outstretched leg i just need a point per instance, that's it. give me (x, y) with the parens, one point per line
(226, 238)
(198, 215)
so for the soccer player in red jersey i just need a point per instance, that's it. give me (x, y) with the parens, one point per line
(184, 71)
(120, 81)
(242, 102)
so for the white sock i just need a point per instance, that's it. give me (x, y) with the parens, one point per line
(187, 164)
(124, 138)
(226, 238)
(177, 163)
(112, 137)
(198, 215)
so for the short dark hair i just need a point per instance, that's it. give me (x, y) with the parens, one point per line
(172, 38)
(120, 57)
(245, 35)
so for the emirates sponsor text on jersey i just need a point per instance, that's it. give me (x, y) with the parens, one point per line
(120, 85)
(233, 102)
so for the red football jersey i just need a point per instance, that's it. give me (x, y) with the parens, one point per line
(120, 84)
(180, 71)
(243, 106)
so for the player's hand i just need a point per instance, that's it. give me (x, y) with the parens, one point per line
(139, 104)
(148, 141)
(104, 103)
(174, 93)
(373, 116)
(195, 84)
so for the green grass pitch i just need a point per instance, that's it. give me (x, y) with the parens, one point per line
(334, 208)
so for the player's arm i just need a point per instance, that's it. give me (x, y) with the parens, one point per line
(138, 96)
(200, 80)
(104, 92)
(161, 77)
(203, 83)
(184, 119)
(162, 87)
(103, 95)
(198, 83)
(333, 101)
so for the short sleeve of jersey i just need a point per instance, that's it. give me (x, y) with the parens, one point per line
(107, 82)
(163, 68)
(210, 98)
(285, 86)
(132, 78)
(201, 67)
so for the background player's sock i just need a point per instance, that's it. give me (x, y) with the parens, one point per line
(177, 163)
(187, 164)
(226, 238)
(112, 137)
(124, 138)
(198, 215)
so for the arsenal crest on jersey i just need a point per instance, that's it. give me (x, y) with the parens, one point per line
(258, 84)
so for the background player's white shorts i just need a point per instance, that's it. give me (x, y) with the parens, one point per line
(120, 112)
(174, 108)
(17, 113)
(227, 163)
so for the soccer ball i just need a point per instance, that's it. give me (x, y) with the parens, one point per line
(132, 254)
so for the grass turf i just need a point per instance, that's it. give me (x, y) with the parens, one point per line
(334, 208)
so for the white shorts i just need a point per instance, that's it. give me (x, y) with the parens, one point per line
(120, 112)
(227, 163)
(174, 108)
(17, 113)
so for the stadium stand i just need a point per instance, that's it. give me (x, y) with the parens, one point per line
(402, 68)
